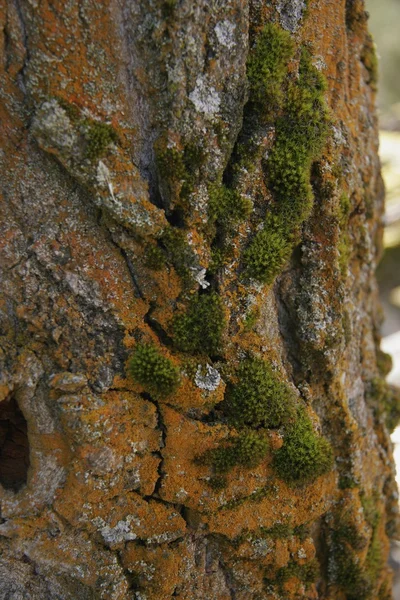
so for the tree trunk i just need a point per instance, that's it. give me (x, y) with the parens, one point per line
(193, 401)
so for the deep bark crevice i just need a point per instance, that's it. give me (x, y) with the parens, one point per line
(14, 446)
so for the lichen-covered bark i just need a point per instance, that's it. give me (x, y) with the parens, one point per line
(192, 397)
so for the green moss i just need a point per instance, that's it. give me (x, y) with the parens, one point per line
(200, 328)
(301, 133)
(259, 398)
(384, 362)
(350, 575)
(307, 573)
(178, 252)
(279, 531)
(251, 319)
(269, 250)
(227, 206)
(217, 482)
(370, 60)
(267, 67)
(250, 448)
(178, 169)
(304, 455)
(385, 400)
(154, 257)
(153, 371)
(247, 450)
(98, 137)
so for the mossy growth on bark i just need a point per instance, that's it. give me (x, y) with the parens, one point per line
(200, 328)
(301, 132)
(267, 67)
(155, 372)
(154, 257)
(353, 571)
(98, 137)
(226, 206)
(178, 252)
(269, 250)
(306, 573)
(248, 449)
(259, 398)
(178, 169)
(305, 455)
(370, 60)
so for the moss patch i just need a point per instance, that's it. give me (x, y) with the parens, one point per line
(267, 67)
(153, 371)
(248, 450)
(200, 328)
(304, 455)
(301, 133)
(269, 250)
(259, 398)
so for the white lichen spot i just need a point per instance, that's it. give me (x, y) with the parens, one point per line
(291, 12)
(121, 532)
(301, 553)
(225, 33)
(208, 381)
(199, 276)
(205, 97)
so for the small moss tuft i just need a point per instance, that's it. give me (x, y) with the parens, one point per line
(248, 450)
(259, 398)
(154, 372)
(98, 137)
(178, 252)
(370, 60)
(304, 455)
(154, 257)
(227, 205)
(267, 67)
(268, 252)
(200, 328)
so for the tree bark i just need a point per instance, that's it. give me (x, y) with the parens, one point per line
(193, 401)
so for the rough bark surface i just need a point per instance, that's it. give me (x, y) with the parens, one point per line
(131, 131)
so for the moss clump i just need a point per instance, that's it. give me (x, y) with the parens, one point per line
(307, 573)
(98, 137)
(267, 67)
(154, 257)
(384, 362)
(248, 450)
(300, 136)
(301, 132)
(259, 398)
(304, 455)
(370, 60)
(178, 169)
(154, 372)
(227, 206)
(200, 328)
(385, 401)
(350, 575)
(178, 252)
(268, 251)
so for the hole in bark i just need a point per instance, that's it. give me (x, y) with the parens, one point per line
(14, 446)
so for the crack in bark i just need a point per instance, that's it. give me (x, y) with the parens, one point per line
(21, 75)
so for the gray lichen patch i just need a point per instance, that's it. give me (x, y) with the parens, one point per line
(209, 380)
(291, 12)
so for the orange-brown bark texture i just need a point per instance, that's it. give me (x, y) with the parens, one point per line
(192, 394)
